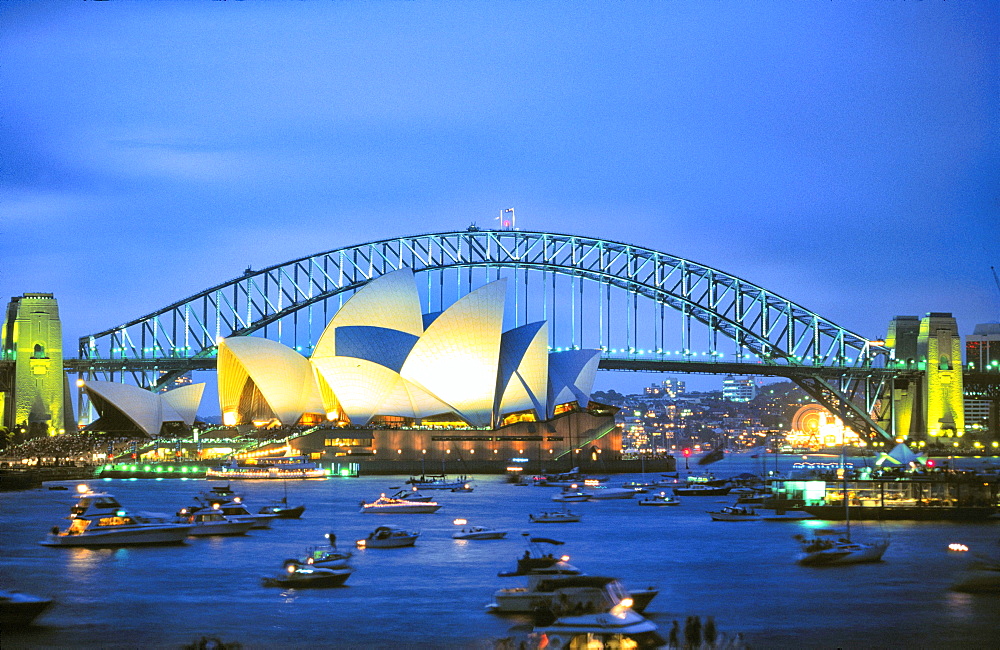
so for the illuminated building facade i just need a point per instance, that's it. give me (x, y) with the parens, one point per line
(982, 348)
(739, 390)
(939, 346)
(32, 339)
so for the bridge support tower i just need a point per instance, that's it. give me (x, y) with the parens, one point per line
(36, 401)
(928, 405)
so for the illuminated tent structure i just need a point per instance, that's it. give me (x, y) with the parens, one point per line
(127, 409)
(264, 381)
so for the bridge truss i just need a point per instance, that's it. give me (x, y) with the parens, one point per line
(639, 306)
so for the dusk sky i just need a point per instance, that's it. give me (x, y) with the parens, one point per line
(843, 154)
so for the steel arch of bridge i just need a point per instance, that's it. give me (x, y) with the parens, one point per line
(765, 328)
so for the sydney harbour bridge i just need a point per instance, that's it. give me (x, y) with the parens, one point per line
(644, 309)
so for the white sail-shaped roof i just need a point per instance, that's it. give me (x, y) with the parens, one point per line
(283, 377)
(366, 389)
(185, 401)
(143, 408)
(523, 378)
(390, 301)
(457, 358)
(571, 377)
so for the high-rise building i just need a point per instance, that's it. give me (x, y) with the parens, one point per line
(982, 348)
(739, 389)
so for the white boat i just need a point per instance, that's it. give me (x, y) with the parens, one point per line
(661, 499)
(825, 550)
(621, 627)
(734, 513)
(479, 532)
(234, 510)
(209, 523)
(979, 576)
(413, 494)
(388, 537)
(602, 493)
(556, 587)
(388, 505)
(97, 519)
(281, 467)
(554, 517)
(571, 493)
(328, 557)
(18, 610)
(304, 576)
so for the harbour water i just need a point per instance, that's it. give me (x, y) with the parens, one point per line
(434, 594)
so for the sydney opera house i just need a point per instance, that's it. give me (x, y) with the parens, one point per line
(388, 382)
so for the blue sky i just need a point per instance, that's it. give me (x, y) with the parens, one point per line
(844, 154)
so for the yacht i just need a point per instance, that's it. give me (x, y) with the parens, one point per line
(437, 482)
(234, 510)
(413, 494)
(621, 627)
(734, 513)
(661, 499)
(208, 523)
(479, 532)
(388, 537)
(18, 610)
(556, 587)
(327, 557)
(571, 493)
(602, 493)
(824, 550)
(303, 576)
(97, 519)
(388, 505)
(701, 490)
(554, 517)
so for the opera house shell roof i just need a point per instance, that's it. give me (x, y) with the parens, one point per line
(122, 406)
(381, 356)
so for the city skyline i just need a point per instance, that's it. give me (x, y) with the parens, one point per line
(842, 156)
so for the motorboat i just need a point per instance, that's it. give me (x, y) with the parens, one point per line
(701, 490)
(234, 510)
(621, 627)
(327, 557)
(388, 505)
(283, 511)
(571, 493)
(18, 610)
(567, 479)
(413, 495)
(602, 493)
(555, 587)
(465, 487)
(388, 537)
(208, 523)
(437, 482)
(220, 494)
(567, 594)
(479, 532)
(823, 549)
(661, 499)
(734, 513)
(98, 519)
(639, 486)
(540, 559)
(305, 576)
(554, 517)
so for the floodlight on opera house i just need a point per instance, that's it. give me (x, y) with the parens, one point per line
(380, 356)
